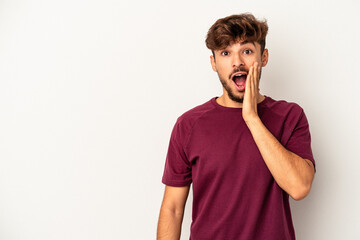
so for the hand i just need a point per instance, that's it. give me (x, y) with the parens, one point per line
(249, 110)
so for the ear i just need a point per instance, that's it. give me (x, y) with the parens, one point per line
(265, 57)
(212, 60)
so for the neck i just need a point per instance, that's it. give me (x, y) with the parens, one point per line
(225, 101)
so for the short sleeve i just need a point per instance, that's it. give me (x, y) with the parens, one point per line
(177, 172)
(300, 139)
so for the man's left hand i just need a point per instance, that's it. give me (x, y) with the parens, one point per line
(249, 110)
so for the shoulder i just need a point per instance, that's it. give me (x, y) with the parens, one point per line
(192, 115)
(281, 106)
(184, 124)
(291, 112)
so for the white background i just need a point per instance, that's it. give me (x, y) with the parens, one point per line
(90, 90)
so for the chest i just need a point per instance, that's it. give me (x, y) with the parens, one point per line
(225, 150)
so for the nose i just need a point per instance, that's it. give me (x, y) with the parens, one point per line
(237, 60)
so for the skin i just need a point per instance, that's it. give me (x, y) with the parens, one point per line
(292, 173)
(172, 213)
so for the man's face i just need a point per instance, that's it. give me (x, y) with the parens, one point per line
(233, 63)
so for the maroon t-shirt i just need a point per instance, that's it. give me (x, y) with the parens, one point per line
(235, 196)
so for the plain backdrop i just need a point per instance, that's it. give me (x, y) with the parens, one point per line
(90, 91)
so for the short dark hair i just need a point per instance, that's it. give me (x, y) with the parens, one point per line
(240, 27)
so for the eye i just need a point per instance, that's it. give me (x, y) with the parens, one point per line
(248, 51)
(224, 53)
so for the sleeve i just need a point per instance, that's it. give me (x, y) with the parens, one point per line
(300, 139)
(177, 172)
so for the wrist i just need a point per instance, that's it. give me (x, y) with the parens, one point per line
(253, 121)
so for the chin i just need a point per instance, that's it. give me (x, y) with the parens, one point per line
(236, 98)
(239, 100)
(231, 92)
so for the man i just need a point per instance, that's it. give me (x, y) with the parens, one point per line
(244, 152)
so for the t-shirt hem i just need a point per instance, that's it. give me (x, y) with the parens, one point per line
(176, 183)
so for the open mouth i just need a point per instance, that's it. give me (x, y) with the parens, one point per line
(240, 80)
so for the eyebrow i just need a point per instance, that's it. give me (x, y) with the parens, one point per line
(246, 42)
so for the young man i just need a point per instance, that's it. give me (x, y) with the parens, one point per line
(244, 152)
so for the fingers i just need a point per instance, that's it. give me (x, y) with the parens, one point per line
(251, 91)
(249, 80)
(256, 76)
(252, 81)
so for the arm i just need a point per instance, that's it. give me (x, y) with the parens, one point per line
(291, 172)
(172, 212)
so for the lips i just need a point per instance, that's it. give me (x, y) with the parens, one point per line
(239, 78)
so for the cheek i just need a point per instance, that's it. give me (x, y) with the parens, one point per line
(221, 70)
(252, 62)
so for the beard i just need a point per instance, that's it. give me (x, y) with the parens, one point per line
(230, 92)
